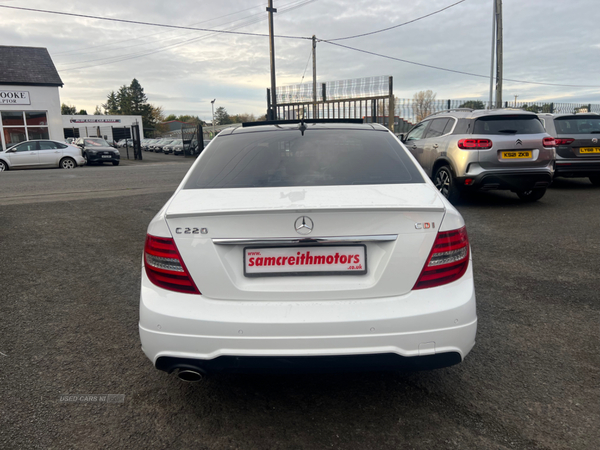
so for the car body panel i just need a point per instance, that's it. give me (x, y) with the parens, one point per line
(584, 129)
(374, 313)
(40, 153)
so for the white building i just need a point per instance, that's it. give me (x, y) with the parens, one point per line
(113, 128)
(29, 98)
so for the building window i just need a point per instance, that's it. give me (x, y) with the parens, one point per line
(19, 126)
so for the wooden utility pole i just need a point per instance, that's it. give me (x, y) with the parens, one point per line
(273, 110)
(493, 53)
(499, 54)
(314, 58)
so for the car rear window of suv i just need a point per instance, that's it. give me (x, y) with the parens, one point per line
(326, 157)
(577, 125)
(511, 124)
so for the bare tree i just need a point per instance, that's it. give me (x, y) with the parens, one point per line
(423, 104)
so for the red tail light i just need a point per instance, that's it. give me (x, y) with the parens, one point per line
(548, 142)
(447, 261)
(164, 266)
(563, 141)
(475, 144)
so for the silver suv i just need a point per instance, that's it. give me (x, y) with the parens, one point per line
(577, 138)
(484, 149)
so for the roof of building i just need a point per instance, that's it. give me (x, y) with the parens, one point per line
(29, 66)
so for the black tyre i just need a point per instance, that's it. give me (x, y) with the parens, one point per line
(115, 163)
(532, 195)
(595, 179)
(68, 163)
(3, 166)
(446, 183)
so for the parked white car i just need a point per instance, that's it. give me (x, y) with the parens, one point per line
(302, 247)
(41, 153)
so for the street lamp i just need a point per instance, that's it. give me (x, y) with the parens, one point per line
(213, 115)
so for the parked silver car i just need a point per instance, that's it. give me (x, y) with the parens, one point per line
(41, 153)
(577, 138)
(484, 150)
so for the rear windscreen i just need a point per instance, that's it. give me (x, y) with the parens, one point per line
(508, 125)
(326, 157)
(577, 125)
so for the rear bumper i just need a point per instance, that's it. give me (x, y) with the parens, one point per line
(422, 329)
(577, 168)
(309, 364)
(507, 180)
(99, 158)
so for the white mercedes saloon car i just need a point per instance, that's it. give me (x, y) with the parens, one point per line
(301, 247)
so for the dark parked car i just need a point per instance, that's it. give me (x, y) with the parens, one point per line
(97, 150)
(577, 138)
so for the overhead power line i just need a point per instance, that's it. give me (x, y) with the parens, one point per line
(146, 52)
(153, 24)
(455, 71)
(115, 59)
(150, 35)
(396, 26)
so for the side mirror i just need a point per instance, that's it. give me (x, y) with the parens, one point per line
(402, 137)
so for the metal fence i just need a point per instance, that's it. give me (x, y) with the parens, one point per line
(369, 98)
(407, 110)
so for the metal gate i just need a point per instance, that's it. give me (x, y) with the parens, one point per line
(370, 99)
(192, 138)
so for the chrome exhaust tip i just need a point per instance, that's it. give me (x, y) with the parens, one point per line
(190, 376)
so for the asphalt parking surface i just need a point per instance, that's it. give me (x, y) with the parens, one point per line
(71, 244)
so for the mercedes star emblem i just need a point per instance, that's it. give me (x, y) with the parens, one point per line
(303, 225)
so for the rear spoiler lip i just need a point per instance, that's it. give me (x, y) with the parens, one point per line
(306, 210)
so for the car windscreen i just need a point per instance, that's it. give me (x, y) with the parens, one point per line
(577, 125)
(96, 143)
(326, 157)
(509, 124)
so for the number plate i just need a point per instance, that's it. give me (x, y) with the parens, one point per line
(589, 150)
(106, 156)
(291, 261)
(516, 155)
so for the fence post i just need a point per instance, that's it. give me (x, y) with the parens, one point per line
(391, 106)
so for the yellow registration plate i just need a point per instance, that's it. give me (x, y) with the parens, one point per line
(516, 155)
(589, 150)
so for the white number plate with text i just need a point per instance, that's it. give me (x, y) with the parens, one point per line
(322, 260)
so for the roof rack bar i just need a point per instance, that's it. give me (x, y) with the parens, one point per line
(293, 121)
(451, 109)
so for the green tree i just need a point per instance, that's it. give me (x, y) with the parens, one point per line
(124, 101)
(67, 110)
(82, 112)
(222, 117)
(111, 107)
(532, 108)
(170, 117)
(137, 98)
(473, 104)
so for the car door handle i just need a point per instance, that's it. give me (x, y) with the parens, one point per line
(414, 147)
(56, 151)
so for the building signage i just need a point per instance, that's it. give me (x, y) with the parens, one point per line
(95, 120)
(14, 98)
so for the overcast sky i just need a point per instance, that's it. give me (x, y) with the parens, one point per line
(548, 41)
